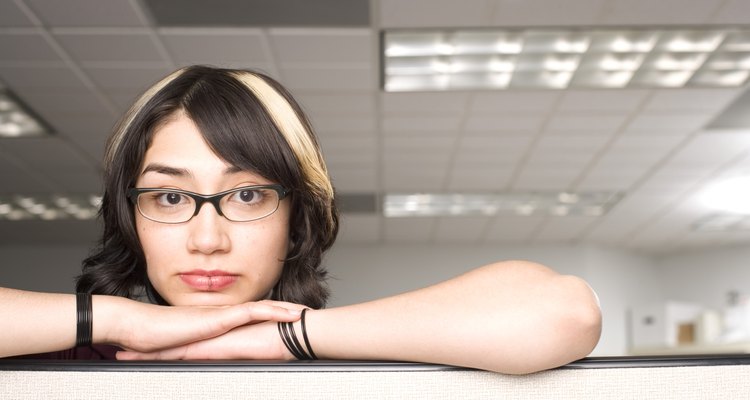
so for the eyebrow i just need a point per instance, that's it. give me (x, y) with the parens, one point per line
(181, 172)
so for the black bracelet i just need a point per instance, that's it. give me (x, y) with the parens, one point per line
(304, 336)
(84, 319)
(284, 331)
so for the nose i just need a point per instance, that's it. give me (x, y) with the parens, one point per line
(208, 233)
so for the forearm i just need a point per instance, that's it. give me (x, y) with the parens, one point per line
(44, 322)
(512, 317)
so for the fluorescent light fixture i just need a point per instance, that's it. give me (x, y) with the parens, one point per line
(46, 207)
(435, 60)
(16, 119)
(730, 195)
(722, 222)
(593, 204)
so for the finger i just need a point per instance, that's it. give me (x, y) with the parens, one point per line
(262, 311)
(248, 313)
(285, 304)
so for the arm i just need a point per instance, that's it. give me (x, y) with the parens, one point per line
(45, 322)
(511, 317)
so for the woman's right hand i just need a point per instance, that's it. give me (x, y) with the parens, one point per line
(145, 327)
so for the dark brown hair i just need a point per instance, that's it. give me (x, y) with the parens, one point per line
(251, 122)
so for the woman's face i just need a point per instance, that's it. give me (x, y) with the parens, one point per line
(208, 260)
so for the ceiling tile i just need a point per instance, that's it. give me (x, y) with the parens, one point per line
(42, 77)
(107, 46)
(416, 179)
(513, 229)
(670, 122)
(417, 143)
(359, 229)
(442, 13)
(46, 152)
(732, 12)
(340, 124)
(79, 181)
(18, 181)
(514, 101)
(348, 143)
(475, 179)
(132, 79)
(471, 159)
(409, 230)
(322, 46)
(441, 103)
(60, 102)
(336, 104)
(691, 99)
(529, 12)
(663, 12)
(11, 16)
(213, 45)
(328, 78)
(507, 122)
(586, 122)
(541, 162)
(572, 143)
(546, 179)
(25, 47)
(354, 179)
(85, 13)
(608, 180)
(460, 229)
(421, 159)
(563, 229)
(625, 100)
(492, 143)
(432, 123)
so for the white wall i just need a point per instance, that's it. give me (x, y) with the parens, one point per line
(705, 277)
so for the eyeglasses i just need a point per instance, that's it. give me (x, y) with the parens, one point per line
(173, 206)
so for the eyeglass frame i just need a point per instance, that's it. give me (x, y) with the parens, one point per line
(200, 199)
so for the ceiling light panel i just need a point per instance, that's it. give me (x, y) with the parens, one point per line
(590, 204)
(435, 60)
(16, 120)
(55, 207)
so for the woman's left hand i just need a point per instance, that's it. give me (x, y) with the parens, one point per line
(259, 341)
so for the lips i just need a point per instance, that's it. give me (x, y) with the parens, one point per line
(208, 281)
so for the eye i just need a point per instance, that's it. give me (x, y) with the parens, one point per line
(247, 196)
(170, 199)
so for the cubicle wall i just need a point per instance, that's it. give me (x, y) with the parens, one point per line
(706, 377)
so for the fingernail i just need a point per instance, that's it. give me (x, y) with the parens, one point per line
(295, 312)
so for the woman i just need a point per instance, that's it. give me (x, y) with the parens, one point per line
(218, 204)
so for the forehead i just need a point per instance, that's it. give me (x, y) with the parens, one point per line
(179, 141)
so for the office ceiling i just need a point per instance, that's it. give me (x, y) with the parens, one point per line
(79, 63)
